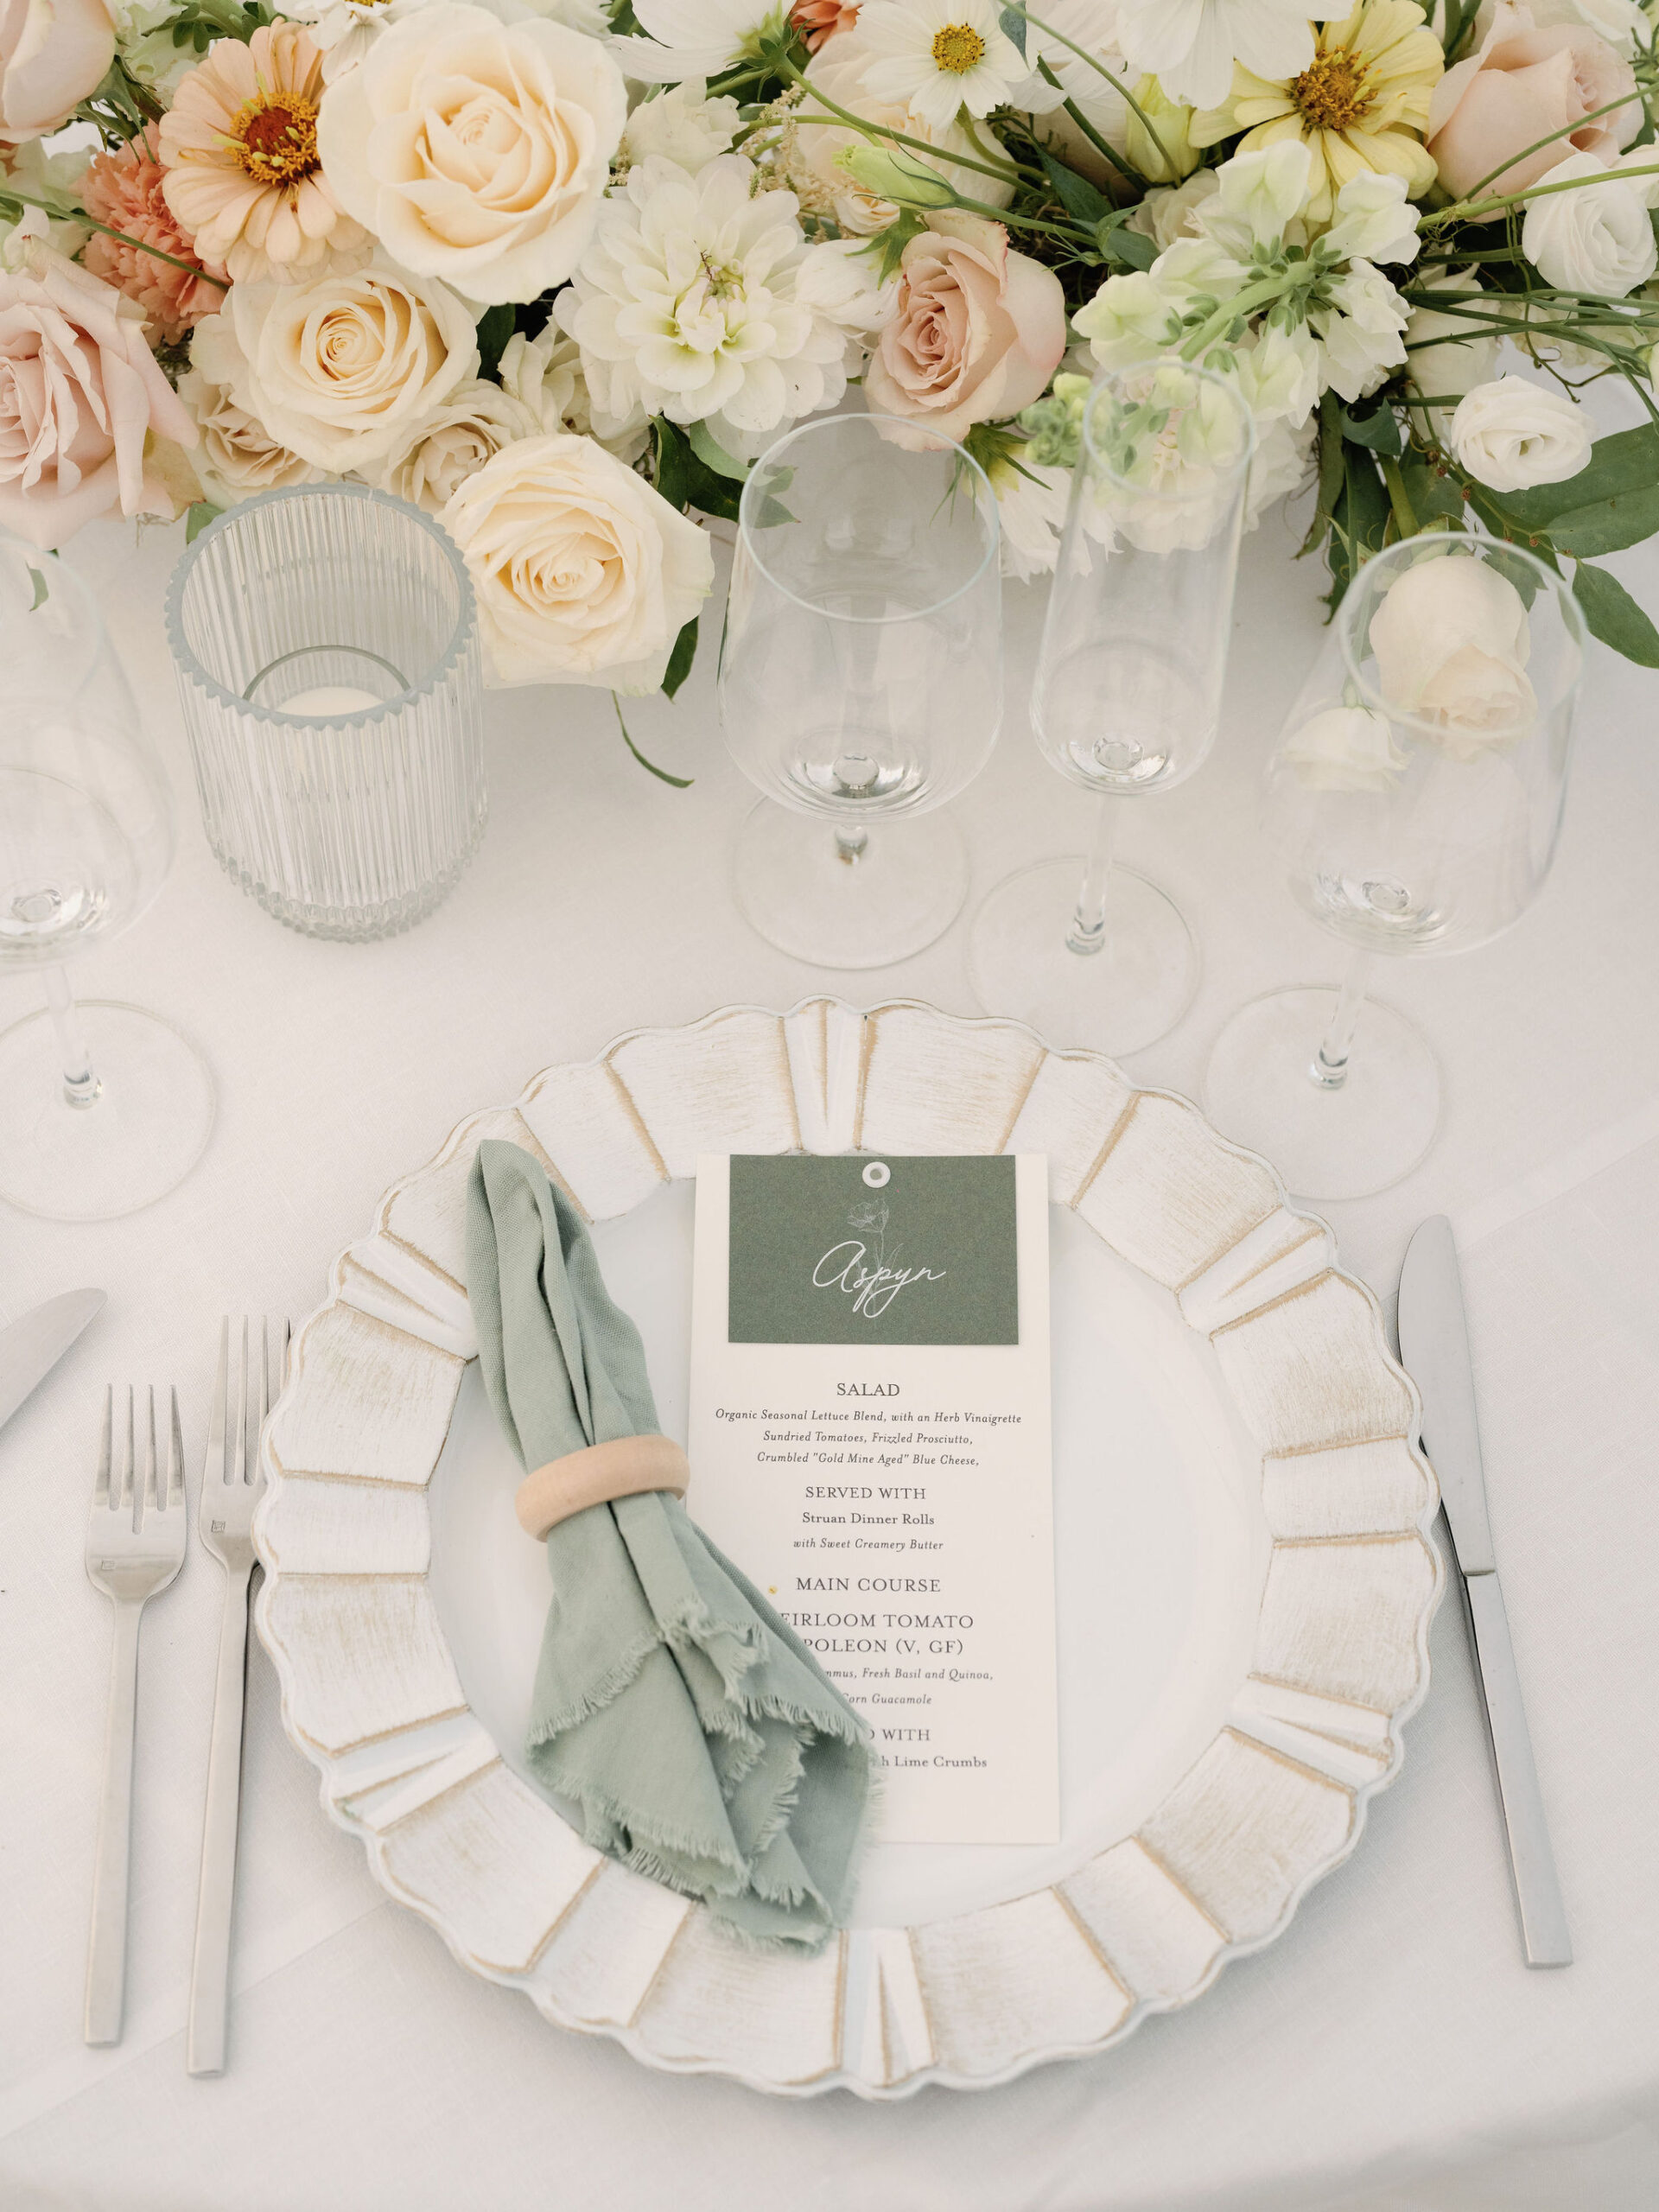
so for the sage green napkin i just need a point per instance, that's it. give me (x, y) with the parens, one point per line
(695, 1731)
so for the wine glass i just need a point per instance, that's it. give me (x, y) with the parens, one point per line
(103, 1107)
(1126, 703)
(861, 683)
(1414, 802)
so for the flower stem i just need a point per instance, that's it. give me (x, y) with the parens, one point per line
(1511, 160)
(1471, 209)
(1399, 500)
(868, 130)
(80, 215)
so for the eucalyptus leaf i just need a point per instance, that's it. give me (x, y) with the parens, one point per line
(1014, 25)
(1075, 194)
(680, 660)
(1610, 524)
(1379, 431)
(714, 455)
(1627, 462)
(1614, 616)
(198, 518)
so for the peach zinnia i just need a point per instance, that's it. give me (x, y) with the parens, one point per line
(243, 175)
(123, 190)
(819, 20)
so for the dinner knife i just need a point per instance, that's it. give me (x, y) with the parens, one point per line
(1434, 1346)
(31, 1347)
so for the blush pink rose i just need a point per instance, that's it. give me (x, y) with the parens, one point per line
(976, 333)
(80, 395)
(53, 54)
(1521, 85)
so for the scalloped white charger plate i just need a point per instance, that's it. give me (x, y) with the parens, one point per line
(1244, 1578)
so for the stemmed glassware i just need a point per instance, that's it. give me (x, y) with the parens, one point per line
(861, 684)
(103, 1107)
(1414, 802)
(1126, 704)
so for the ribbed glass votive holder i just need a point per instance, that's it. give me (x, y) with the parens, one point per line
(326, 645)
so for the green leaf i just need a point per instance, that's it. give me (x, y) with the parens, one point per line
(1610, 525)
(1379, 431)
(198, 519)
(1613, 615)
(1075, 194)
(1014, 25)
(1134, 249)
(685, 480)
(40, 589)
(1434, 496)
(1626, 462)
(680, 783)
(680, 660)
(714, 455)
(1359, 521)
(495, 326)
(1330, 467)
(888, 246)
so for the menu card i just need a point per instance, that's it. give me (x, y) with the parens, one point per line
(870, 1443)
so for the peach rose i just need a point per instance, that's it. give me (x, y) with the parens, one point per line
(1521, 85)
(975, 334)
(53, 54)
(79, 396)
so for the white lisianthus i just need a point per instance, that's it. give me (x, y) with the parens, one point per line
(583, 573)
(683, 126)
(685, 305)
(474, 150)
(1451, 642)
(698, 38)
(1031, 503)
(1344, 749)
(544, 374)
(938, 57)
(1191, 45)
(344, 368)
(435, 460)
(238, 457)
(1171, 212)
(1598, 238)
(1361, 331)
(1510, 435)
(1447, 354)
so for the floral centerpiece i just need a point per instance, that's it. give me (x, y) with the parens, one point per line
(558, 271)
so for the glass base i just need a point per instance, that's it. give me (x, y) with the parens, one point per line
(1348, 1143)
(1118, 999)
(139, 1139)
(898, 896)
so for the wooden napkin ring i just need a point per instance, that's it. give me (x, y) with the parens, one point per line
(622, 1468)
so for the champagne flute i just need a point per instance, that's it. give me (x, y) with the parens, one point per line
(861, 684)
(103, 1107)
(1414, 802)
(1126, 704)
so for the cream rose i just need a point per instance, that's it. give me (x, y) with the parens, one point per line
(238, 457)
(468, 430)
(1451, 642)
(53, 54)
(344, 368)
(475, 150)
(1511, 435)
(1521, 85)
(82, 401)
(584, 574)
(1598, 238)
(976, 333)
(1344, 749)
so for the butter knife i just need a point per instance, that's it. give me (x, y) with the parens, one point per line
(32, 1347)
(1434, 1348)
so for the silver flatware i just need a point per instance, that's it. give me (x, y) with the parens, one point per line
(31, 1347)
(232, 1483)
(134, 1546)
(1434, 1346)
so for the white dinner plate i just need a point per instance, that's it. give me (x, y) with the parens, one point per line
(1244, 1582)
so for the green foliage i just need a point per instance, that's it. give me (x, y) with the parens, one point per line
(1359, 520)
(680, 783)
(888, 246)
(495, 326)
(1077, 195)
(1614, 616)
(1377, 429)
(198, 518)
(714, 455)
(680, 660)
(685, 480)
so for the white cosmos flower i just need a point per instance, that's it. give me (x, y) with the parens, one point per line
(1191, 45)
(685, 305)
(696, 38)
(1031, 502)
(940, 56)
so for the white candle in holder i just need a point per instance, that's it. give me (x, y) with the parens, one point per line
(329, 699)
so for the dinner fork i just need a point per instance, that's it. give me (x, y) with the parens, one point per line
(134, 1546)
(232, 1483)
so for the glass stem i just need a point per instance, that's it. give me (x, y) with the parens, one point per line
(1329, 1069)
(81, 1086)
(851, 846)
(1087, 930)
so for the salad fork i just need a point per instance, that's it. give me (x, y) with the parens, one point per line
(134, 1546)
(232, 1483)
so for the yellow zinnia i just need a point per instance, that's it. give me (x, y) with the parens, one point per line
(1361, 103)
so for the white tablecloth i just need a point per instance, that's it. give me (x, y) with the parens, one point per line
(1390, 2050)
